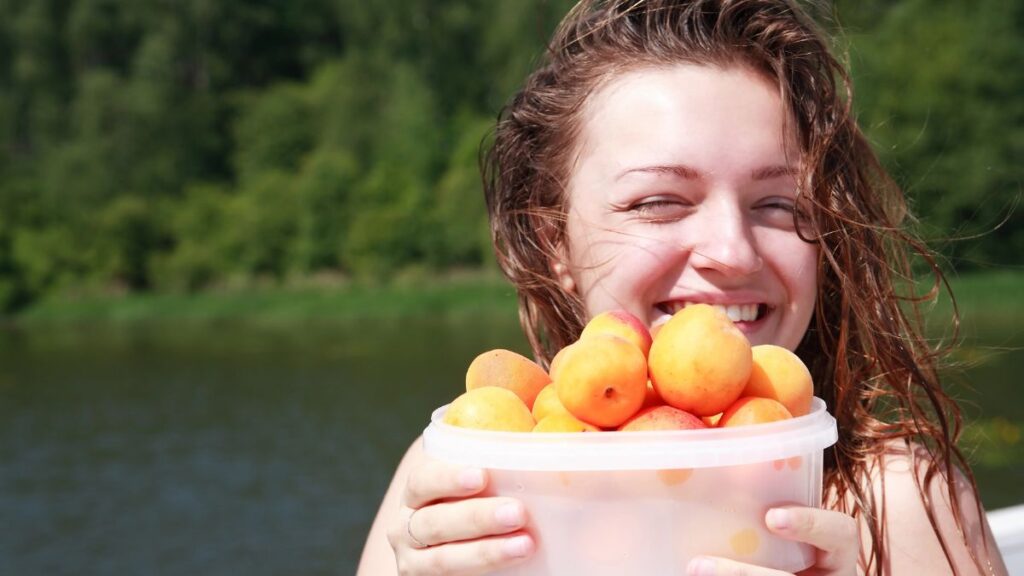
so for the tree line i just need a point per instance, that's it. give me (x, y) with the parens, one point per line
(179, 146)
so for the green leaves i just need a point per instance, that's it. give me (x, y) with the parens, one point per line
(938, 91)
(178, 146)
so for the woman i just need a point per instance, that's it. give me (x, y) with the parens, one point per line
(670, 152)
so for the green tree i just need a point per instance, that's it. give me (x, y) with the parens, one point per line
(939, 87)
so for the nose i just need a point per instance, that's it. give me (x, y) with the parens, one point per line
(725, 243)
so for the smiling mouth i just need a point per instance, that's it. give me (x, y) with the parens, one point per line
(735, 312)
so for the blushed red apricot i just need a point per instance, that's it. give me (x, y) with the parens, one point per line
(509, 370)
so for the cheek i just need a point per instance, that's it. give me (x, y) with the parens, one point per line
(794, 261)
(621, 268)
(800, 277)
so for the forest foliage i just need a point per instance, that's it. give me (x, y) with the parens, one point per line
(183, 146)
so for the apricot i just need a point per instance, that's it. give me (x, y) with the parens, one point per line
(602, 380)
(563, 422)
(507, 369)
(753, 410)
(553, 368)
(700, 362)
(780, 375)
(490, 408)
(662, 418)
(547, 403)
(622, 324)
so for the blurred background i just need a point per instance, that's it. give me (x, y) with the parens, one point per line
(243, 253)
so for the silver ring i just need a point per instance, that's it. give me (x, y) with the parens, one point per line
(408, 530)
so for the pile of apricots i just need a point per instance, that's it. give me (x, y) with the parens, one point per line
(698, 371)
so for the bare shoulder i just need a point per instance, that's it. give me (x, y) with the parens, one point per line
(920, 515)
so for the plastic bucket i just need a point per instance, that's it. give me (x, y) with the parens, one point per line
(613, 503)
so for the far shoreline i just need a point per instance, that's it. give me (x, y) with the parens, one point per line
(992, 298)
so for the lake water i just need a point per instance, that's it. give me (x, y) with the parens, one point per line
(232, 449)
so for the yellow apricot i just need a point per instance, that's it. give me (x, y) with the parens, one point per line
(547, 403)
(780, 375)
(490, 408)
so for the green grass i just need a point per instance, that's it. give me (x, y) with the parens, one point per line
(991, 299)
(473, 294)
(994, 296)
(989, 302)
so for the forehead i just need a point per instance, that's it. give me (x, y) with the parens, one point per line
(718, 118)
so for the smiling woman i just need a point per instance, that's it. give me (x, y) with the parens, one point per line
(682, 186)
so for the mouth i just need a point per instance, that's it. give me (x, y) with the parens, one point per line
(749, 312)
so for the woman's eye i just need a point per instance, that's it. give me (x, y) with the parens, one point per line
(780, 212)
(780, 205)
(660, 208)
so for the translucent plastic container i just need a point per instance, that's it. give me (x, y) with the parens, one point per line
(614, 503)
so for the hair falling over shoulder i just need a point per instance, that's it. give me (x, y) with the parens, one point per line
(870, 359)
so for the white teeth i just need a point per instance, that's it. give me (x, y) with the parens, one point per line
(735, 312)
(740, 312)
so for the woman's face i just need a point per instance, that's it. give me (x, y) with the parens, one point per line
(683, 192)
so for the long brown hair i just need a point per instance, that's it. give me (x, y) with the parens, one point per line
(865, 347)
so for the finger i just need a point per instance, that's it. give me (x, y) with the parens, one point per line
(833, 533)
(469, 558)
(713, 566)
(466, 520)
(434, 481)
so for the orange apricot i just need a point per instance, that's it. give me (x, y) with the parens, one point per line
(780, 375)
(662, 418)
(563, 422)
(490, 408)
(622, 324)
(507, 369)
(753, 410)
(700, 362)
(602, 380)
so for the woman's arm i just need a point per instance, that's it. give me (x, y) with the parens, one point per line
(378, 558)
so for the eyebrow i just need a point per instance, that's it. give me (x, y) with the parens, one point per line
(769, 172)
(690, 173)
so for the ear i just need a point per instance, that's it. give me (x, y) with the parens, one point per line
(560, 271)
(558, 255)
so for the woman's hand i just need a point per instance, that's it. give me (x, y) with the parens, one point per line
(833, 534)
(442, 528)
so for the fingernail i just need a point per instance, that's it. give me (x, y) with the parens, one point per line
(510, 514)
(518, 546)
(778, 519)
(471, 478)
(701, 567)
